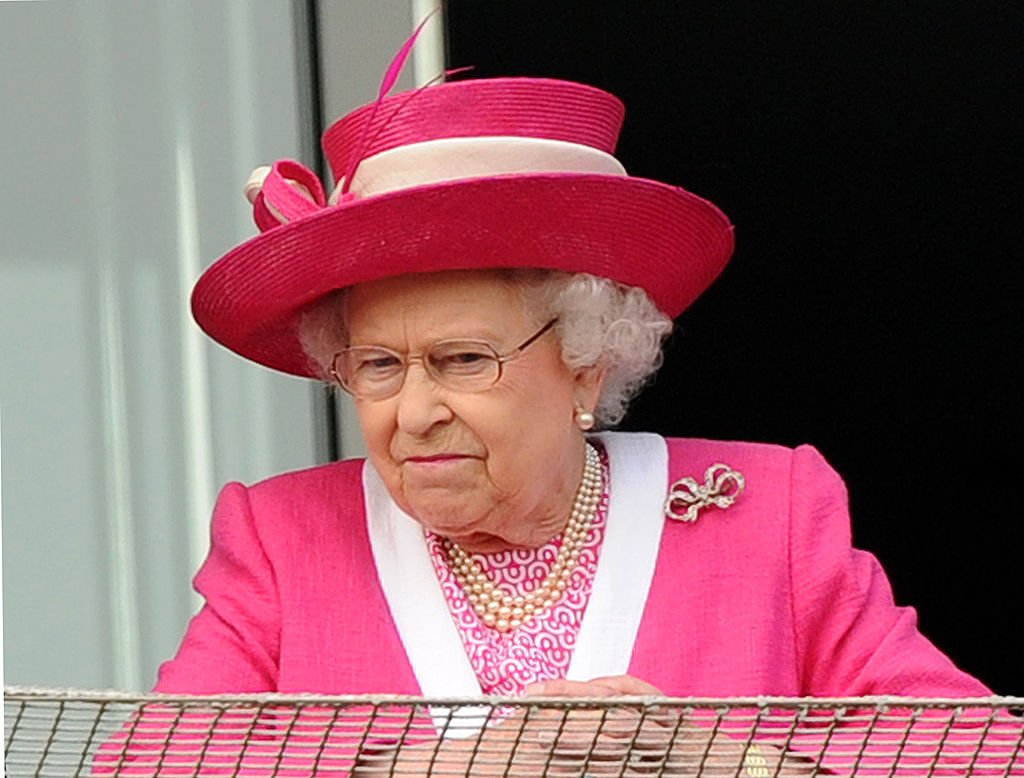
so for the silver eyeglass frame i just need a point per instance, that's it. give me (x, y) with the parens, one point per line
(406, 359)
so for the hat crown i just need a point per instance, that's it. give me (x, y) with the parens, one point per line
(469, 175)
(519, 107)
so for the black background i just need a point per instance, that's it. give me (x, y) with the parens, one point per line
(868, 155)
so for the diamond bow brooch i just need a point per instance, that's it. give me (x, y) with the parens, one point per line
(686, 498)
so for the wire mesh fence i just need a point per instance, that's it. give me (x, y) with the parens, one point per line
(77, 733)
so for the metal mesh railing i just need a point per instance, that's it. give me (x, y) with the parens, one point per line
(77, 733)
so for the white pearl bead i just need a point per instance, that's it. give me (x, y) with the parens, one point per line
(503, 611)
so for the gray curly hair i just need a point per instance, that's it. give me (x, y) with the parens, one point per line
(600, 322)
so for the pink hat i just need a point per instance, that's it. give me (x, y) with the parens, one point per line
(488, 173)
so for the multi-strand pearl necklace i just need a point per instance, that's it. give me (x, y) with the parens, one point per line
(504, 611)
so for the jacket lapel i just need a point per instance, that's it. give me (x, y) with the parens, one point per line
(414, 596)
(638, 467)
(638, 464)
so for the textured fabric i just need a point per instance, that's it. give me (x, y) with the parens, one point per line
(636, 231)
(766, 597)
(531, 107)
(541, 649)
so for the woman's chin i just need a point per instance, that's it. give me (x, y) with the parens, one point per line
(470, 532)
(482, 543)
(451, 516)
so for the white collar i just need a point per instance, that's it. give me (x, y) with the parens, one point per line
(638, 465)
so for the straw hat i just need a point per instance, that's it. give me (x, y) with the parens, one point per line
(486, 173)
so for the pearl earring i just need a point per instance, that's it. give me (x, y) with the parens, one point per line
(584, 419)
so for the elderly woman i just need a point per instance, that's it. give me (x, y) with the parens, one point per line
(491, 288)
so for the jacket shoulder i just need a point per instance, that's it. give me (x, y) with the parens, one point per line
(693, 456)
(782, 484)
(736, 448)
(292, 507)
(763, 458)
(331, 477)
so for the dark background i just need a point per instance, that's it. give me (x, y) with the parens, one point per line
(868, 155)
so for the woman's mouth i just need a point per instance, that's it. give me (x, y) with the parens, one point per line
(436, 459)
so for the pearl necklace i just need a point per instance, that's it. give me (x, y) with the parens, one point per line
(505, 612)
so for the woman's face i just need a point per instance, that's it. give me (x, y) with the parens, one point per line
(492, 469)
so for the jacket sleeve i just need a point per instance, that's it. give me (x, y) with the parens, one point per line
(233, 643)
(851, 638)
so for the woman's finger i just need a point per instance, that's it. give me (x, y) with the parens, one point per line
(564, 688)
(603, 686)
(627, 684)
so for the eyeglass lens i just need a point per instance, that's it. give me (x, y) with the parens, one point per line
(375, 372)
(460, 365)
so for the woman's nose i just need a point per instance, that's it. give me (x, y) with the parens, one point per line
(421, 402)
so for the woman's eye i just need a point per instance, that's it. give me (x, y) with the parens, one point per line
(466, 357)
(463, 362)
(378, 364)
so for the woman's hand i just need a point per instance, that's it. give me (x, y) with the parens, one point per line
(605, 741)
(631, 740)
(605, 686)
(644, 741)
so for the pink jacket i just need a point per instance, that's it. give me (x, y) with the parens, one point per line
(765, 597)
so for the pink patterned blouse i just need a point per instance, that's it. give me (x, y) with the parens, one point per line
(541, 649)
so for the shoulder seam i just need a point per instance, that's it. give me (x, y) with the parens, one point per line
(273, 574)
(792, 584)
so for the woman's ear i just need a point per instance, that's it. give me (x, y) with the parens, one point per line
(588, 384)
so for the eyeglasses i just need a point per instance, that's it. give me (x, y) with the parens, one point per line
(377, 373)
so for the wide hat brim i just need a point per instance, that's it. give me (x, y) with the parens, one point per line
(635, 231)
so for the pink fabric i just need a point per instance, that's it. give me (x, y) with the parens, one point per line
(540, 650)
(290, 191)
(528, 107)
(636, 231)
(766, 597)
(162, 740)
(292, 602)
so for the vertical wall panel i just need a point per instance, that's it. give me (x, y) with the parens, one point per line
(130, 128)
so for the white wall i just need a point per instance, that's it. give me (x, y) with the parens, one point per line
(126, 133)
(128, 128)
